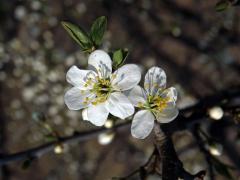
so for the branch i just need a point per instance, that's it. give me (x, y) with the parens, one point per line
(172, 167)
(144, 170)
(218, 130)
(41, 150)
(206, 154)
(198, 114)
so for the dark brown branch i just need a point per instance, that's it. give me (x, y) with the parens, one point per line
(198, 114)
(172, 167)
(218, 131)
(147, 168)
(41, 150)
(202, 148)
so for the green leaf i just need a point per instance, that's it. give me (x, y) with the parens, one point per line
(119, 57)
(222, 5)
(98, 29)
(78, 35)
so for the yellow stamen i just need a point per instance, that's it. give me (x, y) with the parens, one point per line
(140, 104)
(101, 88)
(159, 103)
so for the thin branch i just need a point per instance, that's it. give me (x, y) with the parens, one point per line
(198, 114)
(41, 150)
(206, 154)
(218, 130)
(142, 169)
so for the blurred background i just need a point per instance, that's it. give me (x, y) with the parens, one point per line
(198, 48)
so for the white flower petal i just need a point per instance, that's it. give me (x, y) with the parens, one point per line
(171, 93)
(155, 79)
(119, 105)
(142, 124)
(168, 114)
(96, 114)
(75, 97)
(78, 77)
(126, 77)
(85, 115)
(137, 95)
(101, 62)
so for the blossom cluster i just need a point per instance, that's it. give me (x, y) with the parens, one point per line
(100, 92)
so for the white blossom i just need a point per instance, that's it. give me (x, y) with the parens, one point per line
(216, 113)
(106, 138)
(154, 102)
(99, 91)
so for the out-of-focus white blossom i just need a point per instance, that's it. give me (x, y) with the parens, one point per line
(215, 149)
(105, 138)
(109, 123)
(20, 12)
(216, 113)
(58, 149)
(155, 102)
(36, 5)
(98, 91)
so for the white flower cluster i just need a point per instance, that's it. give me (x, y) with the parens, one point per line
(99, 92)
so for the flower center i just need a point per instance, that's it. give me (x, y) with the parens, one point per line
(158, 103)
(154, 103)
(102, 88)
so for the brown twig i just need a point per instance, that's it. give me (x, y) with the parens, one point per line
(41, 150)
(147, 168)
(198, 113)
(202, 148)
(172, 167)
